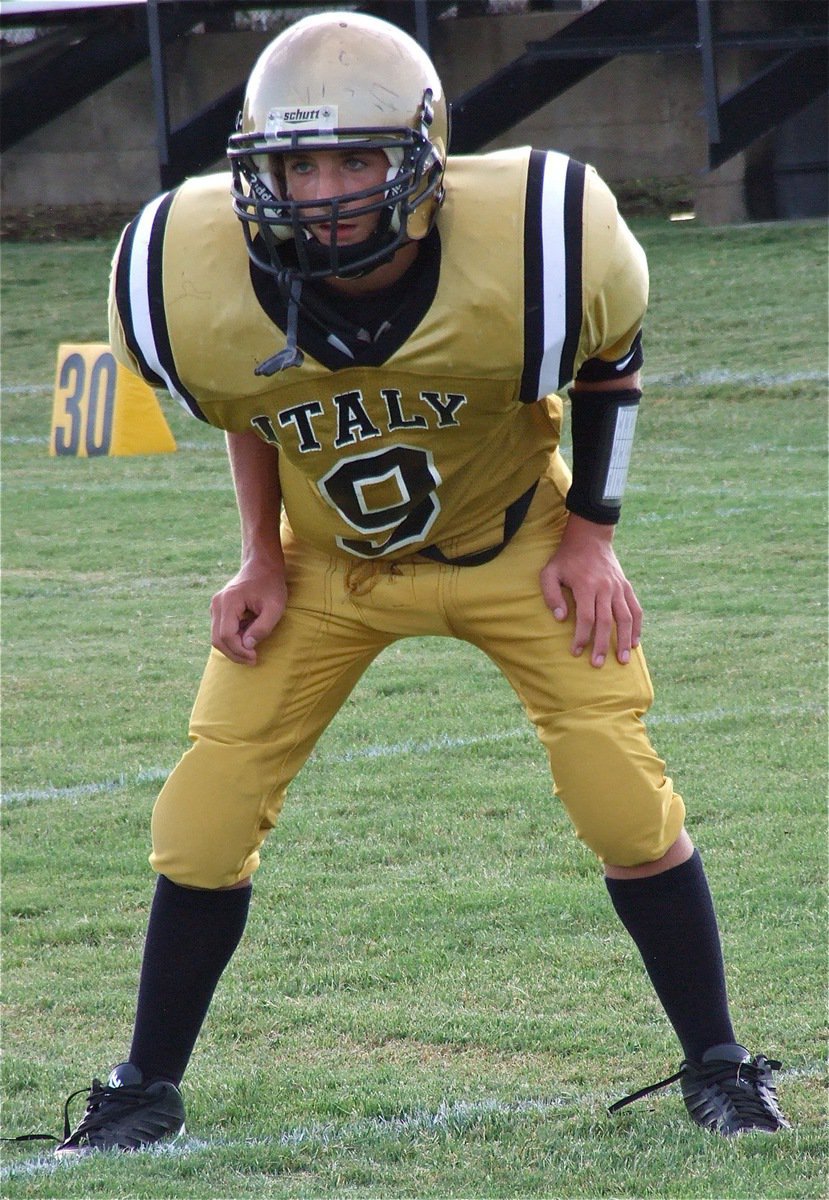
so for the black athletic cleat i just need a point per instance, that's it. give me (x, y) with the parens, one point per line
(727, 1092)
(124, 1114)
(730, 1092)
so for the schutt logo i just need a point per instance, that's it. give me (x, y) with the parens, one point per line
(297, 116)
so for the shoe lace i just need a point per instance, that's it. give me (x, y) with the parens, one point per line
(646, 1091)
(99, 1099)
(754, 1072)
(748, 1101)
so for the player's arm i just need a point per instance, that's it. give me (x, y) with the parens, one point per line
(605, 394)
(251, 604)
(585, 562)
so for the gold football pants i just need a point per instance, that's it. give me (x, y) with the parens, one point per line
(252, 728)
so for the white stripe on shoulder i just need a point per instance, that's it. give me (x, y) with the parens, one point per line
(140, 297)
(554, 271)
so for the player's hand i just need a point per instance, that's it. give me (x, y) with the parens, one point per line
(586, 564)
(247, 609)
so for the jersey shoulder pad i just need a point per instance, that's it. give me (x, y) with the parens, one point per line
(615, 283)
(180, 226)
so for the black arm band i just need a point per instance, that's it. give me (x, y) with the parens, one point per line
(602, 425)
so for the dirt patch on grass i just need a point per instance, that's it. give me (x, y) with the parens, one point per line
(64, 223)
(83, 222)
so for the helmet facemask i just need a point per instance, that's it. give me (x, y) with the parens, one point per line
(286, 243)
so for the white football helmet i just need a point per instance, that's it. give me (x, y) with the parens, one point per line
(330, 79)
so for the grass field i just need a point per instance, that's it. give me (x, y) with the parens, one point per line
(433, 998)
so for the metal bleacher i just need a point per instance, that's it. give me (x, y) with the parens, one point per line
(87, 43)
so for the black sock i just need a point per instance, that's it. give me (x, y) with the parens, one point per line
(671, 919)
(191, 937)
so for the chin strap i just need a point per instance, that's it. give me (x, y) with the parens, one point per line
(291, 356)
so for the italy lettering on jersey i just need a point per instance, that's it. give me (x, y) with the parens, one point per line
(426, 435)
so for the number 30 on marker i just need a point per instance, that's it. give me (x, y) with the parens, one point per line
(99, 408)
(85, 401)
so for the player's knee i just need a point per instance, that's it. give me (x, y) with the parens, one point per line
(212, 872)
(207, 853)
(211, 818)
(635, 835)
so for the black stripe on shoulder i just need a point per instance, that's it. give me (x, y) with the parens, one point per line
(573, 237)
(124, 306)
(533, 279)
(157, 307)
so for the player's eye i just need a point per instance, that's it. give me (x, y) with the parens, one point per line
(299, 166)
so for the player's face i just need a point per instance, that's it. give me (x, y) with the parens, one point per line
(323, 174)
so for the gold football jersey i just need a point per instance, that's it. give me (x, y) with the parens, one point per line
(426, 432)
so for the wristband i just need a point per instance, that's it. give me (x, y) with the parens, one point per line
(602, 426)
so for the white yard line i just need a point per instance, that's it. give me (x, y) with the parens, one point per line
(398, 749)
(450, 1117)
(714, 375)
(723, 375)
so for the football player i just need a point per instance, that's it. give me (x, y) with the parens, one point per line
(382, 333)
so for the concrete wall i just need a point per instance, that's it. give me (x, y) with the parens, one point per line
(103, 151)
(640, 117)
(635, 117)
